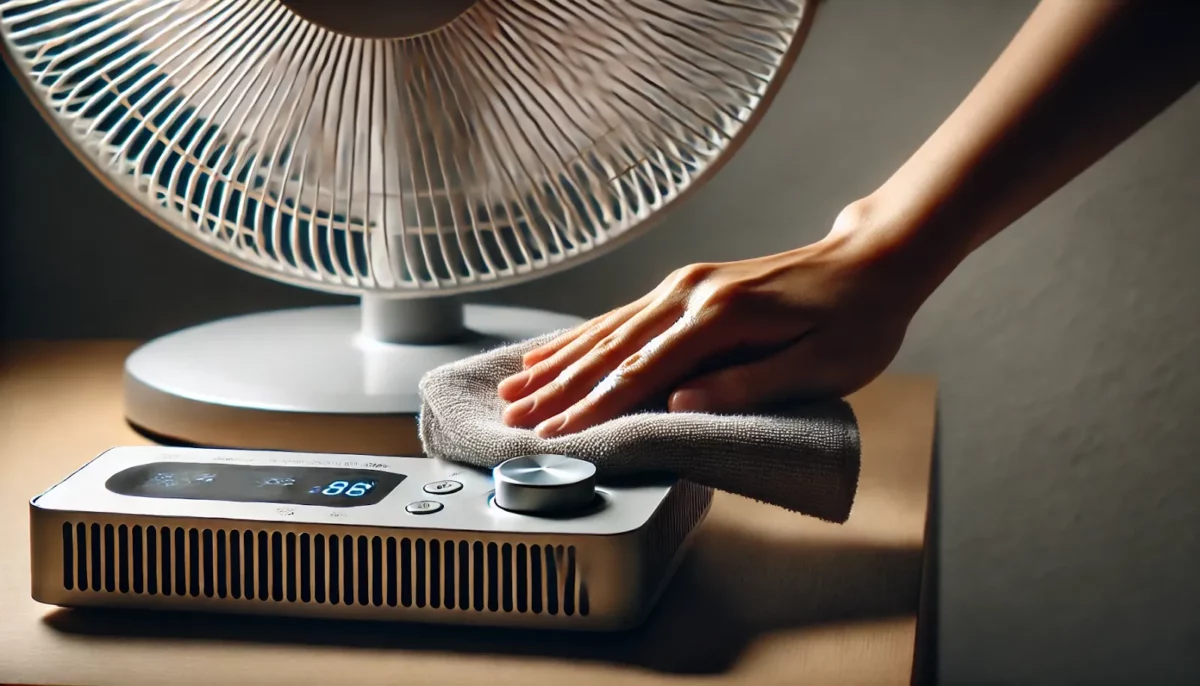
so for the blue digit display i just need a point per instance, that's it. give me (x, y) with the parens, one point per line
(335, 488)
(359, 488)
(328, 487)
(355, 490)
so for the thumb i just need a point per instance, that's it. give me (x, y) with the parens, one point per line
(788, 374)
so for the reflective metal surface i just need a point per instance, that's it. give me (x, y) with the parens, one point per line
(544, 484)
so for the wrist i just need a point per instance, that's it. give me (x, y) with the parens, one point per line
(901, 244)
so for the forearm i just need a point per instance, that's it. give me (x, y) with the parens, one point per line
(1079, 77)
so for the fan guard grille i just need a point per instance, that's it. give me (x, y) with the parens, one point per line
(520, 139)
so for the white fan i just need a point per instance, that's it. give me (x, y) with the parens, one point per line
(409, 153)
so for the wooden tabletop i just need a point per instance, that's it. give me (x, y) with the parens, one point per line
(765, 596)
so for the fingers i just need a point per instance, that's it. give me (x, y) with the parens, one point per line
(679, 283)
(555, 384)
(602, 325)
(542, 364)
(793, 373)
(558, 343)
(655, 368)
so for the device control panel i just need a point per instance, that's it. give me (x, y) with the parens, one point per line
(535, 493)
(284, 484)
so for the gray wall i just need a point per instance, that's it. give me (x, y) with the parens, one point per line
(1068, 349)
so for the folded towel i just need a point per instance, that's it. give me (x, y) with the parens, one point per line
(805, 459)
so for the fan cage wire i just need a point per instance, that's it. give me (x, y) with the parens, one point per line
(509, 215)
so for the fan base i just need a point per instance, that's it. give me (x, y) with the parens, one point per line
(302, 380)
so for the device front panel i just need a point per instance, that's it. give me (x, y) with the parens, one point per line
(328, 489)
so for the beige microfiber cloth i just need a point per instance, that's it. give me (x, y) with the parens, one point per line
(805, 459)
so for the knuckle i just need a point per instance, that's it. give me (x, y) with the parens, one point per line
(635, 364)
(724, 293)
(632, 370)
(715, 300)
(608, 345)
(691, 276)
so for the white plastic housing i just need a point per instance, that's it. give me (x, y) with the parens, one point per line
(465, 562)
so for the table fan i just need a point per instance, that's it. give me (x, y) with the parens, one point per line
(409, 153)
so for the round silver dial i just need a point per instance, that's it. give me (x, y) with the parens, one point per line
(544, 483)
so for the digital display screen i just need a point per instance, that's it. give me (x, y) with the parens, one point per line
(328, 486)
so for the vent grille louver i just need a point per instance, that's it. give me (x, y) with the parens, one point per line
(278, 566)
(676, 518)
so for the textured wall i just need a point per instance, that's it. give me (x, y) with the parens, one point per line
(1068, 349)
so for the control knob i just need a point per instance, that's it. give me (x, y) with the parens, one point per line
(543, 484)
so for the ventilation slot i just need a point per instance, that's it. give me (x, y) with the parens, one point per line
(276, 566)
(675, 519)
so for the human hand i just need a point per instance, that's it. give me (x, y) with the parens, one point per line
(827, 318)
(820, 321)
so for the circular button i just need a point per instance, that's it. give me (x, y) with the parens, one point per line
(422, 507)
(443, 487)
(544, 483)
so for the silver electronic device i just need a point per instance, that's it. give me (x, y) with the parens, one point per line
(538, 542)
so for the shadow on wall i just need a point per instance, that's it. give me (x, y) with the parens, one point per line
(753, 587)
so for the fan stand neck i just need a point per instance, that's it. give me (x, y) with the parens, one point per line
(419, 321)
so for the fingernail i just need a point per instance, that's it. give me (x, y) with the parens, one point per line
(516, 382)
(550, 427)
(690, 400)
(518, 410)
